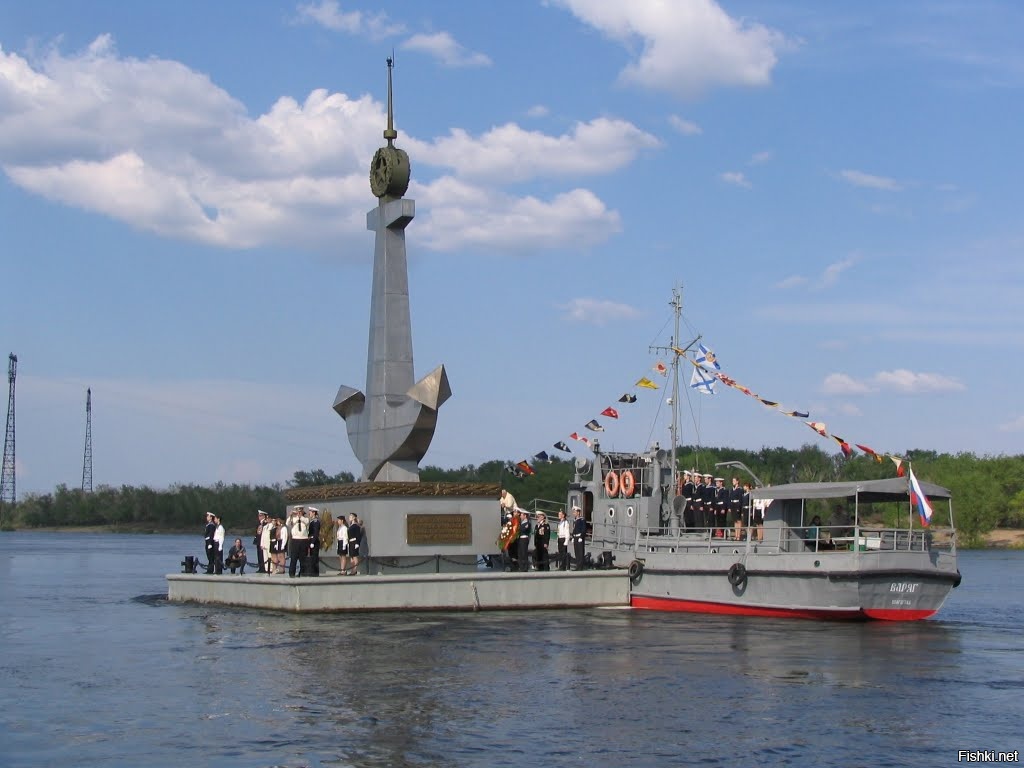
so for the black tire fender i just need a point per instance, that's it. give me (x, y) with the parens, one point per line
(636, 572)
(737, 574)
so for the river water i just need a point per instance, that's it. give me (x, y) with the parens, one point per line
(99, 669)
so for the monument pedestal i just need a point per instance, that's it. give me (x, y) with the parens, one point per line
(413, 527)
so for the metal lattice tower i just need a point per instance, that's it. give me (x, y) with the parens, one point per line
(87, 461)
(8, 492)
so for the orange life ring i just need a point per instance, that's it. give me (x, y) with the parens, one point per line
(628, 484)
(611, 484)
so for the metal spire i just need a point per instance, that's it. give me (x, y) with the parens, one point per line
(390, 133)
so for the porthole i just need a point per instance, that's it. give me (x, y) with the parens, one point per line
(611, 511)
(629, 511)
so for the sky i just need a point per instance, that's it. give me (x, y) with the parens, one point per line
(835, 189)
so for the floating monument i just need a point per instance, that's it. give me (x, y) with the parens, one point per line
(410, 525)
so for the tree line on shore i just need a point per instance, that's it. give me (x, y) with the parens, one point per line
(988, 491)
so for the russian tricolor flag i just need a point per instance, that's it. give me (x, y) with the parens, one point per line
(918, 499)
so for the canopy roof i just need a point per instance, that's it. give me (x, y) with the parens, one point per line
(889, 489)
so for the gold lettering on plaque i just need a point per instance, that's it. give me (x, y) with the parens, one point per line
(423, 530)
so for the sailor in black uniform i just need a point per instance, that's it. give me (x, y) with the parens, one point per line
(210, 542)
(314, 541)
(689, 511)
(523, 543)
(721, 506)
(698, 500)
(579, 535)
(709, 501)
(736, 509)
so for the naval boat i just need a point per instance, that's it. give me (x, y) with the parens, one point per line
(780, 561)
(786, 566)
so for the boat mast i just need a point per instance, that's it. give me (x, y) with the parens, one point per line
(677, 352)
(677, 306)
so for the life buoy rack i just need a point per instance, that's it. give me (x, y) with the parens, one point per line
(636, 572)
(611, 484)
(737, 574)
(628, 484)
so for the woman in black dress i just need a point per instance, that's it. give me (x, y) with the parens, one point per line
(355, 536)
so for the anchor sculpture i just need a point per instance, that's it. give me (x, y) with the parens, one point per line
(390, 426)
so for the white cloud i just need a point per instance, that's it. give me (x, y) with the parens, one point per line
(329, 14)
(686, 46)
(443, 47)
(842, 384)
(1014, 425)
(537, 110)
(861, 179)
(685, 127)
(736, 178)
(902, 380)
(760, 158)
(511, 153)
(162, 148)
(460, 215)
(829, 276)
(832, 272)
(598, 311)
(793, 281)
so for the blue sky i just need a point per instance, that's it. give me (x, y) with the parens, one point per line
(836, 187)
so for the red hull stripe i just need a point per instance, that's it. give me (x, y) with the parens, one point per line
(698, 606)
(889, 614)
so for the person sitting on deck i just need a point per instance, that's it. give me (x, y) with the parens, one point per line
(236, 557)
(812, 533)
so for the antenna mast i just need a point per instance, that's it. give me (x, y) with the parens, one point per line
(677, 352)
(8, 492)
(87, 460)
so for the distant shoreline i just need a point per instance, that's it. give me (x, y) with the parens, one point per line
(1000, 538)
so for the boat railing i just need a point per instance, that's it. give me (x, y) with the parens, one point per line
(844, 538)
(783, 539)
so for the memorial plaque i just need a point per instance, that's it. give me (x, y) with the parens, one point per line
(438, 529)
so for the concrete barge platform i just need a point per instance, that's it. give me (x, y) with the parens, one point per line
(481, 591)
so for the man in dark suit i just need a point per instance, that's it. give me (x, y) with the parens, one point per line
(579, 535)
(210, 542)
(314, 541)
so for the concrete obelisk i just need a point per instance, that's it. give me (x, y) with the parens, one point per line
(390, 426)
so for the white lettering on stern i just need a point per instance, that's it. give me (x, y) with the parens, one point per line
(902, 586)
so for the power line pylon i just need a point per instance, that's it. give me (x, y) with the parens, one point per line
(87, 460)
(8, 492)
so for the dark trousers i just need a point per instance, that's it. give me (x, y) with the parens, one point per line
(262, 566)
(298, 552)
(314, 558)
(236, 562)
(211, 556)
(543, 559)
(523, 553)
(689, 518)
(578, 546)
(563, 555)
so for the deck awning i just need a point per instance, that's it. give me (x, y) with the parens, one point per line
(889, 489)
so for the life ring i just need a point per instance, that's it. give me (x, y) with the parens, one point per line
(611, 484)
(628, 484)
(737, 574)
(636, 572)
